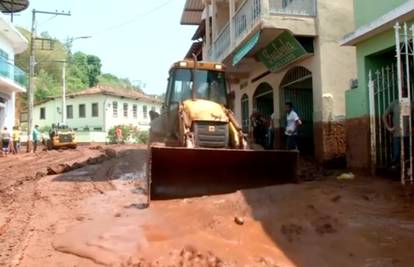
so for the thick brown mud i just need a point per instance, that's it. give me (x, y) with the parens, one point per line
(95, 216)
(326, 223)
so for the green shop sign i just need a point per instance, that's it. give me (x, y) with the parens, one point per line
(282, 51)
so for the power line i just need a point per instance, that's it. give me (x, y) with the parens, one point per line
(136, 18)
(46, 21)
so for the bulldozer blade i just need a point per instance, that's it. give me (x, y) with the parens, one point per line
(182, 172)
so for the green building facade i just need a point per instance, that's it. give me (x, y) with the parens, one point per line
(375, 42)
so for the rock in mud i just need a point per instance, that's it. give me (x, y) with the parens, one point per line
(97, 160)
(239, 220)
(57, 169)
(110, 152)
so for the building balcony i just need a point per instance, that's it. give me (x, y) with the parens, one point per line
(296, 16)
(12, 78)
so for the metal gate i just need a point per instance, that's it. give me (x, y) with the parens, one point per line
(391, 86)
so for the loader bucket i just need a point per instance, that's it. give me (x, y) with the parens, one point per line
(182, 172)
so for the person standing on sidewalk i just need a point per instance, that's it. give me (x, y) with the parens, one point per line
(5, 141)
(392, 114)
(292, 124)
(118, 134)
(16, 140)
(271, 132)
(36, 137)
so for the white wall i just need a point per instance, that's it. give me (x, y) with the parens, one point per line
(141, 121)
(8, 114)
(105, 119)
(7, 47)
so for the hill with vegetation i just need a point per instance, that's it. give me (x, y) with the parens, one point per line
(82, 70)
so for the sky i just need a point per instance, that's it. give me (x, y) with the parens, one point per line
(135, 39)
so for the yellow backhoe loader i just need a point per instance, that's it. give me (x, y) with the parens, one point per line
(196, 145)
(61, 136)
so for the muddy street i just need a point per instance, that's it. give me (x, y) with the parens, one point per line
(95, 215)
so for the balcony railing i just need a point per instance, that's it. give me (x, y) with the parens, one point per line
(222, 43)
(247, 16)
(10, 71)
(293, 7)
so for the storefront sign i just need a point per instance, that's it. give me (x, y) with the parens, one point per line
(282, 51)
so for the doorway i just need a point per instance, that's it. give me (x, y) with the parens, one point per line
(297, 88)
(263, 100)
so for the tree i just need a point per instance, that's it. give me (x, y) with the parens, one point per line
(94, 69)
(112, 80)
(45, 86)
(83, 70)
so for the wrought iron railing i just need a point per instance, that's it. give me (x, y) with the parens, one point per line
(222, 43)
(246, 17)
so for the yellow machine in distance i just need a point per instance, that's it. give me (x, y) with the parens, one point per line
(61, 136)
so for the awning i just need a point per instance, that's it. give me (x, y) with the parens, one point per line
(200, 32)
(193, 10)
(284, 50)
(246, 48)
(12, 6)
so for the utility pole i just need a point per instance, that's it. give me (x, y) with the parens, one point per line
(32, 64)
(30, 91)
(64, 93)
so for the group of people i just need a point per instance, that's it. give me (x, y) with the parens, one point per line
(10, 141)
(263, 128)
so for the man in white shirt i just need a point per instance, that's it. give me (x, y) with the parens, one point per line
(292, 124)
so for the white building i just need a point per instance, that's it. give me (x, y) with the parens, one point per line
(12, 79)
(94, 111)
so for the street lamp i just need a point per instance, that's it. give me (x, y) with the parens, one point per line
(71, 40)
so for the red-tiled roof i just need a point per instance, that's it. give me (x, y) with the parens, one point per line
(113, 91)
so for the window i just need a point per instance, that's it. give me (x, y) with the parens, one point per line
(69, 112)
(42, 113)
(82, 111)
(153, 108)
(145, 111)
(95, 110)
(209, 85)
(125, 110)
(135, 111)
(115, 109)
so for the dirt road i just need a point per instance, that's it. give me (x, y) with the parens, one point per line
(96, 216)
